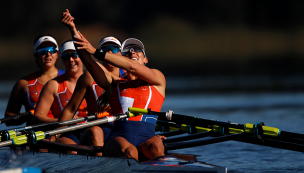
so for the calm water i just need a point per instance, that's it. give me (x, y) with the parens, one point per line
(284, 110)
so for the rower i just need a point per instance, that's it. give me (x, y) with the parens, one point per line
(87, 88)
(57, 92)
(145, 88)
(27, 90)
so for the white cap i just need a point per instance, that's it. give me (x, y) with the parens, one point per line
(69, 45)
(133, 41)
(45, 39)
(109, 39)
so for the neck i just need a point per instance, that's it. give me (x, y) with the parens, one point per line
(48, 71)
(113, 70)
(73, 76)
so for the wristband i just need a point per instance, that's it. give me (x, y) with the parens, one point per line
(99, 54)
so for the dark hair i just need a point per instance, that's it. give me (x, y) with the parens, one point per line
(103, 103)
(36, 39)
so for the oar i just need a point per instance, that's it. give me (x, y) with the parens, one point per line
(15, 117)
(32, 137)
(8, 134)
(255, 129)
(293, 144)
(65, 147)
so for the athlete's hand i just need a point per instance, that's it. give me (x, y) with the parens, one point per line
(85, 44)
(68, 20)
(75, 116)
(162, 137)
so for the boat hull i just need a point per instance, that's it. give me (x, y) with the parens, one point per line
(51, 162)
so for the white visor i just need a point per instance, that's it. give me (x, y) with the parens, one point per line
(133, 41)
(45, 39)
(109, 40)
(67, 46)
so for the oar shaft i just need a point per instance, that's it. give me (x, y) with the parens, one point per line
(184, 119)
(54, 124)
(3, 120)
(6, 143)
(78, 126)
(188, 137)
(189, 144)
(291, 134)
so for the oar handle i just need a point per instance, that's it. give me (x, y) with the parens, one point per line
(15, 117)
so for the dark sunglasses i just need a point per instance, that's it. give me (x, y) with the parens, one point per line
(114, 49)
(127, 50)
(45, 50)
(67, 56)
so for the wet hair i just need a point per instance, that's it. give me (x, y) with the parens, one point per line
(35, 40)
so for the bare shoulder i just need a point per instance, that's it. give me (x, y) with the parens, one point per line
(161, 86)
(160, 76)
(22, 84)
(51, 86)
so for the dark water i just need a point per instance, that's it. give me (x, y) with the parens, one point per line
(284, 110)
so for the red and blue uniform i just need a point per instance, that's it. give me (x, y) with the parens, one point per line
(33, 92)
(92, 96)
(62, 98)
(137, 129)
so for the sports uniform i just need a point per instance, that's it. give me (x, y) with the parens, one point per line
(137, 129)
(62, 98)
(33, 93)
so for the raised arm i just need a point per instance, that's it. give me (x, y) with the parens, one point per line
(141, 71)
(100, 74)
(45, 102)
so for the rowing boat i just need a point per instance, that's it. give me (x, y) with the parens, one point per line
(52, 162)
(169, 124)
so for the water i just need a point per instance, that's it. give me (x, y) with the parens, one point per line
(284, 110)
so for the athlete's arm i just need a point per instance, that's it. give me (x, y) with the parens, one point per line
(15, 102)
(45, 102)
(83, 83)
(99, 73)
(141, 71)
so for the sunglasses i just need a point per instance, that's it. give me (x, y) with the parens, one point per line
(128, 50)
(67, 56)
(45, 50)
(114, 49)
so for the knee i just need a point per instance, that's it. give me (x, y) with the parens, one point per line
(157, 145)
(95, 130)
(131, 152)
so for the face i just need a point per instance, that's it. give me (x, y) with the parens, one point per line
(71, 61)
(46, 57)
(112, 49)
(135, 53)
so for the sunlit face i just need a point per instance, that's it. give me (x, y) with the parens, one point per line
(71, 62)
(108, 48)
(48, 59)
(135, 53)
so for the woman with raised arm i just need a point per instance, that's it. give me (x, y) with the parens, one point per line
(145, 88)
(27, 90)
(87, 88)
(56, 94)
